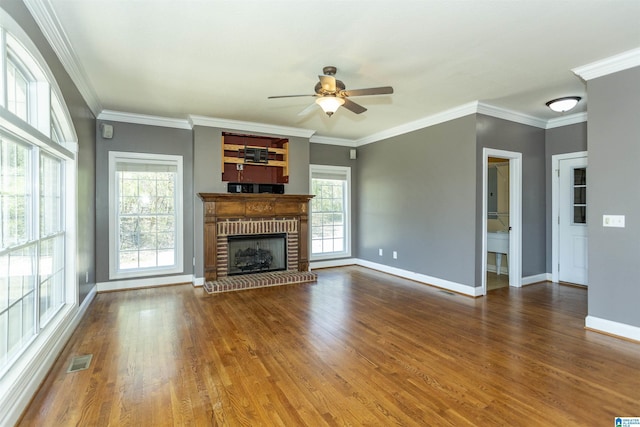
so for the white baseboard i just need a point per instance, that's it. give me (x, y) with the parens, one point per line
(198, 281)
(542, 277)
(613, 328)
(333, 263)
(24, 381)
(422, 278)
(148, 282)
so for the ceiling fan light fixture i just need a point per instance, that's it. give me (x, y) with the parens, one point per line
(329, 104)
(562, 105)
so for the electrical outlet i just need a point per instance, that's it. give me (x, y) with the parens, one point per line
(613, 221)
(380, 251)
(86, 277)
(239, 166)
(395, 254)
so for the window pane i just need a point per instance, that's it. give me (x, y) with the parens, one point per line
(579, 214)
(15, 193)
(50, 195)
(51, 265)
(328, 209)
(580, 196)
(17, 85)
(146, 217)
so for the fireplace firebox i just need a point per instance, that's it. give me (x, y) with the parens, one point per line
(257, 253)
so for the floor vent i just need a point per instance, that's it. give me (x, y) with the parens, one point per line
(448, 293)
(80, 363)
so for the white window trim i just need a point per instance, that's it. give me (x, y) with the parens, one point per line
(339, 170)
(114, 273)
(21, 379)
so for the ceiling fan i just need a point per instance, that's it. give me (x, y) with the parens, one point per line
(331, 93)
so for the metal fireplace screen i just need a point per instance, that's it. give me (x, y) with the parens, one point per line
(257, 253)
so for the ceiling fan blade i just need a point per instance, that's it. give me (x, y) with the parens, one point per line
(384, 90)
(328, 83)
(353, 107)
(307, 110)
(287, 96)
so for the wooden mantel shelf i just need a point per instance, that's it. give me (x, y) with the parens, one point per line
(239, 205)
(232, 206)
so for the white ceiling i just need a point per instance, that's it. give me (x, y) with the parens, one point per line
(222, 59)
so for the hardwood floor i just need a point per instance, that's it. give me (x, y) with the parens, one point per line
(359, 347)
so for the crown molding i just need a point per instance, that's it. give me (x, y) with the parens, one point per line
(444, 116)
(317, 139)
(49, 24)
(512, 116)
(566, 120)
(243, 126)
(143, 119)
(610, 65)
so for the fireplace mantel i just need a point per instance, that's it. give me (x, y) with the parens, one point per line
(224, 209)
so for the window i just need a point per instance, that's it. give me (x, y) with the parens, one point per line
(145, 214)
(330, 215)
(38, 291)
(580, 195)
(17, 84)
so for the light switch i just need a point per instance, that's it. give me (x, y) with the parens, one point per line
(613, 221)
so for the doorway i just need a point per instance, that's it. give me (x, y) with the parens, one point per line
(569, 219)
(505, 227)
(498, 225)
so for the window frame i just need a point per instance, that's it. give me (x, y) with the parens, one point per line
(114, 232)
(342, 171)
(22, 370)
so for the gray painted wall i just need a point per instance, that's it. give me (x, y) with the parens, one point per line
(207, 177)
(566, 139)
(614, 151)
(530, 141)
(417, 196)
(335, 155)
(84, 124)
(141, 139)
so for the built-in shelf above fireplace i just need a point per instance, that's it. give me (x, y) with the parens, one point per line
(227, 214)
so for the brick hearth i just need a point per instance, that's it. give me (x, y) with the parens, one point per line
(259, 280)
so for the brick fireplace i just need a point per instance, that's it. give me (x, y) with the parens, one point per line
(232, 215)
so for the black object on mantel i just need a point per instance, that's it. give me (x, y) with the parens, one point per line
(238, 187)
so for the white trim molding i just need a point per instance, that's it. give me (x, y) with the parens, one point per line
(613, 64)
(512, 116)
(610, 327)
(143, 119)
(423, 278)
(416, 277)
(571, 119)
(148, 282)
(46, 18)
(238, 125)
(333, 141)
(444, 116)
(341, 262)
(537, 278)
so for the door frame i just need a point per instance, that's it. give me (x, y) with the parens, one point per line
(515, 214)
(555, 207)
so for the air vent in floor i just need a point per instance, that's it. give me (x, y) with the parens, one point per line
(80, 363)
(448, 293)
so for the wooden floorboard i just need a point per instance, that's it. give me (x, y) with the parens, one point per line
(358, 347)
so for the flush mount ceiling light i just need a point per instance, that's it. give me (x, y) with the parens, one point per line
(329, 104)
(565, 104)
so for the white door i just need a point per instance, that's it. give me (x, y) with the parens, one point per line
(572, 226)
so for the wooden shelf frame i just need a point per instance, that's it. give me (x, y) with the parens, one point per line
(284, 152)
